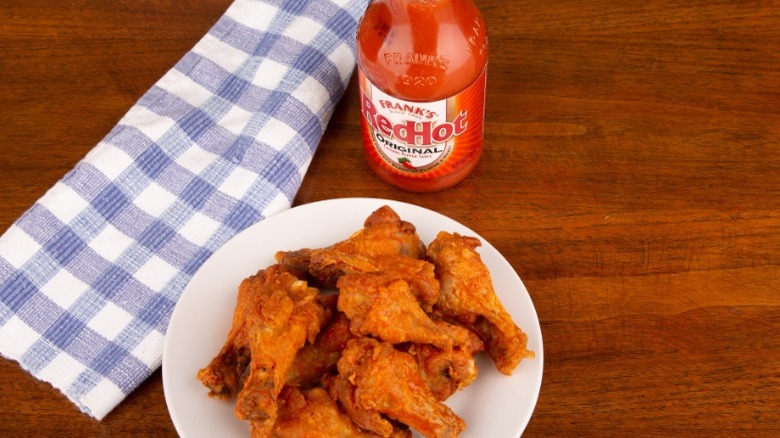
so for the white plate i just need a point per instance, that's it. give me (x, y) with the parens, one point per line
(494, 405)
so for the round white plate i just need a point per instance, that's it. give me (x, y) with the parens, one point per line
(493, 406)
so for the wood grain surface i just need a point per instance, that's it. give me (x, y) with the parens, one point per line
(631, 176)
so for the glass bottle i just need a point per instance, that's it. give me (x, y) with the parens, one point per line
(422, 67)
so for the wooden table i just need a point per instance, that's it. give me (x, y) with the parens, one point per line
(631, 176)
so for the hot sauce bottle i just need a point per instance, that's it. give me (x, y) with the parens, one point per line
(422, 66)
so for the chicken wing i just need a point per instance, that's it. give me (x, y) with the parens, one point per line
(467, 295)
(342, 390)
(223, 374)
(319, 358)
(420, 274)
(383, 234)
(383, 306)
(313, 414)
(283, 314)
(447, 371)
(296, 262)
(387, 382)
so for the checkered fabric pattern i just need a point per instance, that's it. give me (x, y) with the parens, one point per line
(90, 274)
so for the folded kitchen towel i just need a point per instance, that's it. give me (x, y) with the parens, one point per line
(90, 274)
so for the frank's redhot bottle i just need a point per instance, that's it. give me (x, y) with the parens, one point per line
(422, 66)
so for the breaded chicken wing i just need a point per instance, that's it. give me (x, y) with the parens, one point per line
(420, 274)
(467, 295)
(343, 390)
(319, 358)
(284, 313)
(383, 306)
(447, 371)
(383, 234)
(222, 375)
(387, 382)
(313, 414)
(296, 262)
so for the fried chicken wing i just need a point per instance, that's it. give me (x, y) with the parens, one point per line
(447, 371)
(383, 234)
(222, 375)
(386, 381)
(467, 295)
(318, 358)
(296, 262)
(420, 274)
(343, 390)
(381, 305)
(283, 314)
(313, 414)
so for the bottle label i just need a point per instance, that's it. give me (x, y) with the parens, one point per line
(422, 139)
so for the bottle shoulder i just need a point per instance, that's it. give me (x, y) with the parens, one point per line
(422, 54)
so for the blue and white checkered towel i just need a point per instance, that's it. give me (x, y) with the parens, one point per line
(90, 273)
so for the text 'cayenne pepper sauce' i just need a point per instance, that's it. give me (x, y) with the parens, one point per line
(422, 66)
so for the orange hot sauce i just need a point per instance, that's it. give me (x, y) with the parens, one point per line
(422, 66)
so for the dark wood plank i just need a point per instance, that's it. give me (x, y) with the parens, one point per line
(631, 176)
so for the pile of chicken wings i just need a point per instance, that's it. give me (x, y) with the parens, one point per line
(367, 337)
